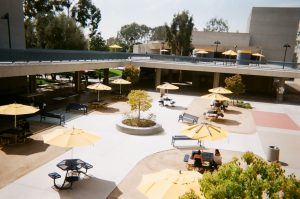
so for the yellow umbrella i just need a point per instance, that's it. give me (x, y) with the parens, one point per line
(115, 46)
(220, 90)
(229, 52)
(215, 96)
(120, 81)
(205, 131)
(70, 137)
(201, 52)
(169, 184)
(17, 109)
(167, 86)
(99, 87)
(257, 55)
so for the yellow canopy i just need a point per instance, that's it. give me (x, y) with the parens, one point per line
(215, 96)
(201, 52)
(169, 184)
(205, 131)
(17, 109)
(257, 55)
(167, 86)
(99, 87)
(115, 46)
(120, 81)
(220, 90)
(67, 137)
(229, 52)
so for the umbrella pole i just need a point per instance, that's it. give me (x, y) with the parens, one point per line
(15, 121)
(120, 89)
(98, 96)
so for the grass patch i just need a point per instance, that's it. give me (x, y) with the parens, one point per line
(115, 72)
(44, 81)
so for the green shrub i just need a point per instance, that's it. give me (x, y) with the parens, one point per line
(189, 195)
(242, 104)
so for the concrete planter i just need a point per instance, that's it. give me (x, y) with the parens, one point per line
(157, 128)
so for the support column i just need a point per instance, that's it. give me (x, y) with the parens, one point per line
(157, 77)
(77, 81)
(216, 82)
(105, 76)
(32, 83)
(280, 90)
(195, 79)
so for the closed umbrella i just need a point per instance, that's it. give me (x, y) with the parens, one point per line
(120, 81)
(169, 184)
(99, 87)
(205, 131)
(220, 90)
(17, 109)
(215, 96)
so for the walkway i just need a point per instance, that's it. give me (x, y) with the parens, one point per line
(116, 154)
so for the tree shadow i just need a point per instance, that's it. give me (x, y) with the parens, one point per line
(227, 122)
(107, 109)
(232, 112)
(30, 146)
(92, 188)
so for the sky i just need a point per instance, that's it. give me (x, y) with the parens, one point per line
(116, 13)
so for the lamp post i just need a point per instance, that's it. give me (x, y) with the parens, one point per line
(217, 44)
(286, 46)
(235, 46)
(6, 16)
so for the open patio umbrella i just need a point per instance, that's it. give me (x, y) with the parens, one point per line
(99, 87)
(169, 184)
(167, 86)
(201, 52)
(17, 109)
(215, 96)
(205, 131)
(115, 46)
(70, 137)
(229, 52)
(120, 81)
(220, 90)
(257, 55)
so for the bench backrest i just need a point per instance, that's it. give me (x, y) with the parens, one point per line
(190, 116)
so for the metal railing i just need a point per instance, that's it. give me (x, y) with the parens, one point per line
(49, 55)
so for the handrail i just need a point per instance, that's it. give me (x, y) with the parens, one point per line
(42, 55)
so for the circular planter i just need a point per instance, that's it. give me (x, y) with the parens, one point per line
(157, 128)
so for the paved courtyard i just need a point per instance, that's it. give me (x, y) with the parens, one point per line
(116, 154)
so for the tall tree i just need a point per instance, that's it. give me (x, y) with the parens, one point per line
(216, 25)
(131, 33)
(98, 43)
(179, 34)
(158, 33)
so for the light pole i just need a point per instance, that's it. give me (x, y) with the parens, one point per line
(6, 16)
(286, 46)
(235, 46)
(217, 43)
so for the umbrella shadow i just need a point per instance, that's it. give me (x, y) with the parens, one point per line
(176, 107)
(227, 122)
(30, 146)
(232, 112)
(107, 109)
(92, 188)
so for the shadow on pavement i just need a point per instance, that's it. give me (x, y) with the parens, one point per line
(227, 122)
(36, 146)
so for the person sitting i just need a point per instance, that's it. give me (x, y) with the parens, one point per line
(217, 160)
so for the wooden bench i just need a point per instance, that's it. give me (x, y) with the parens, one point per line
(181, 137)
(59, 116)
(188, 118)
(77, 106)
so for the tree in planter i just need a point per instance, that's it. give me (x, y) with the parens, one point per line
(235, 84)
(131, 73)
(249, 177)
(139, 101)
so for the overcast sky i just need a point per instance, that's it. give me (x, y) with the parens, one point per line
(116, 13)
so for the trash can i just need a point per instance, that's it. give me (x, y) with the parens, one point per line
(273, 153)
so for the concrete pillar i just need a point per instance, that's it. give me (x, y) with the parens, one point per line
(105, 76)
(157, 77)
(195, 79)
(216, 82)
(77, 81)
(170, 75)
(32, 84)
(280, 90)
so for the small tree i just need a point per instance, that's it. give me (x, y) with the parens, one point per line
(216, 25)
(249, 177)
(131, 73)
(235, 84)
(139, 100)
